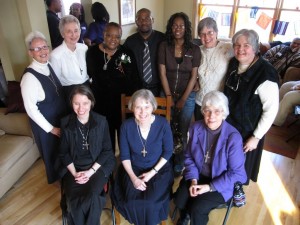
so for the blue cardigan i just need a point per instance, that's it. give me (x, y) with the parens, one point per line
(228, 161)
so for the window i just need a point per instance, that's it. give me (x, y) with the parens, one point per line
(259, 15)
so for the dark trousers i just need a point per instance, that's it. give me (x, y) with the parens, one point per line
(84, 201)
(197, 113)
(198, 207)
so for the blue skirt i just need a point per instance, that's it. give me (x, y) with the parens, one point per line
(148, 207)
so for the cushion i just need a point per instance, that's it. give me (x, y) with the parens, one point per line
(14, 98)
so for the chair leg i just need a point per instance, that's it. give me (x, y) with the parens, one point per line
(228, 211)
(163, 222)
(117, 218)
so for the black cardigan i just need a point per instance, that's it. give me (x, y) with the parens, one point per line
(99, 143)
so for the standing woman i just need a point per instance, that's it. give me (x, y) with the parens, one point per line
(113, 71)
(68, 59)
(251, 86)
(215, 56)
(87, 158)
(43, 100)
(77, 10)
(143, 184)
(94, 34)
(179, 60)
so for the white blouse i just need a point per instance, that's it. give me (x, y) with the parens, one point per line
(33, 92)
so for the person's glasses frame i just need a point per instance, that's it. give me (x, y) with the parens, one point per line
(208, 112)
(209, 34)
(232, 77)
(38, 49)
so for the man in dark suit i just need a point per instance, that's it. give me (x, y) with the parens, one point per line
(136, 43)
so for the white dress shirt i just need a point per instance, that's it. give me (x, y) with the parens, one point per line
(70, 66)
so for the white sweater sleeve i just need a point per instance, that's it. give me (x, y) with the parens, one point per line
(269, 95)
(32, 93)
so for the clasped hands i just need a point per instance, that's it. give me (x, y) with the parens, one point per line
(140, 181)
(83, 176)
(198, 189)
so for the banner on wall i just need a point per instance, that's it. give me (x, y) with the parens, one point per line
(225, 19)
(280, 27)
(263, 21)
(253, 12)
(213, 14)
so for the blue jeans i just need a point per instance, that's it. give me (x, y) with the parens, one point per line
(185, 117)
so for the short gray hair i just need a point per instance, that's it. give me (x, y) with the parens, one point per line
(216, 99)
(144, 94)
(209, 23)
(67, 19)
(34, 35)
(252, 38)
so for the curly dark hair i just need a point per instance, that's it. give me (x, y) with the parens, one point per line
(188, 30)
(99, 12)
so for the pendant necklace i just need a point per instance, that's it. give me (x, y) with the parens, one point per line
(144, 152)
(207, 155)
(108, 59)
(51, 78)
(85, 143)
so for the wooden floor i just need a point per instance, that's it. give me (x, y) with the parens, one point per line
(274, 199)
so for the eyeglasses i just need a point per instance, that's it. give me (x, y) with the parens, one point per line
(208, 112)
(233, 81)
(176, 26)
(209, 34)
(38, 49)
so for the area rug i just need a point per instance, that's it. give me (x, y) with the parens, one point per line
(276, 140)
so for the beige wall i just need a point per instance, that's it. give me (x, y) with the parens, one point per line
(156, 6)
(19, 17)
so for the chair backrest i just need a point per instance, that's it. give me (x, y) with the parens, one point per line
(163, 106)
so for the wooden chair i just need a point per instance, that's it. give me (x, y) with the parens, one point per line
(163, 106)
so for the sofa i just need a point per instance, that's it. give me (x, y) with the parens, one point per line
(18, 150)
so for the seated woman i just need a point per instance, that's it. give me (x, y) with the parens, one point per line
(214, 161)
(87, 158)
(289, 96)
(144, 180)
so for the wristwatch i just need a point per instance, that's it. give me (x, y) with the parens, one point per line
(210, 189)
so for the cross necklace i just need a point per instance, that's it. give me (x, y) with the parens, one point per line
(208, 154)
(85, 143)
(51, 78)
(144, 152)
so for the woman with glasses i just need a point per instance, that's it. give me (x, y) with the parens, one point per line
(43, 100)
(178, 60)
(214, 162)
(251, 85)
(215, 56)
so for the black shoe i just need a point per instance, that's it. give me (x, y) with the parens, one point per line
(184, 219)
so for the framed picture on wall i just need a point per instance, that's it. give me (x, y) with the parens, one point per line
(127, 11)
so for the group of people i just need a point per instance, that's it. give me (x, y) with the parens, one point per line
(73, 98)
(90, 34)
